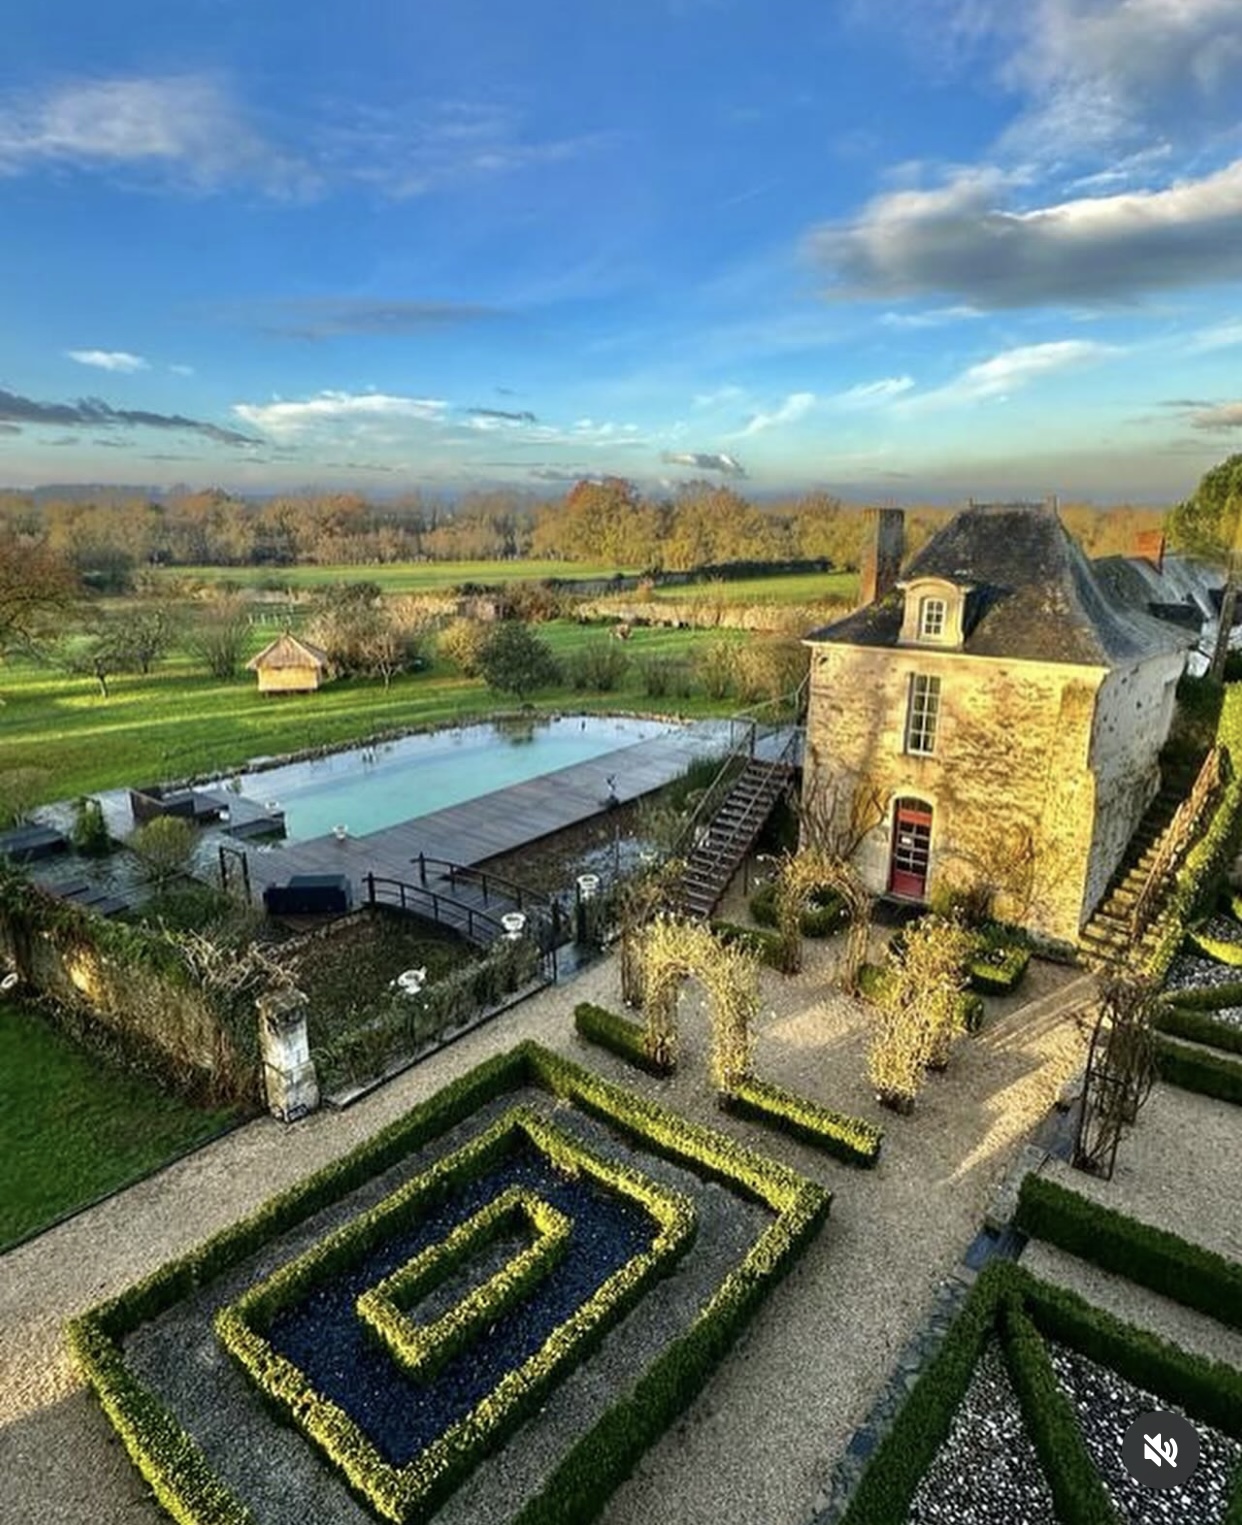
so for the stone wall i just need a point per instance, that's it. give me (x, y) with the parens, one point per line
(1134, 710)
(1010, 785)
(104, 972)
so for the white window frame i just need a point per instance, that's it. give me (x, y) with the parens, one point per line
(933, 615)
(922, 714)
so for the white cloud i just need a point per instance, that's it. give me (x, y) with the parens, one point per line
(932, 317)
(182, 370)
(186, 128)
(1102, 74)
(870, 394)
(958, 240)
(331, 409)
(998, 377)
(796, 406)
(720, 397)
(1220, 417)
(118, 360)
(1220, 336)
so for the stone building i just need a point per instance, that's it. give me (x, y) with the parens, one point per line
(989, 719)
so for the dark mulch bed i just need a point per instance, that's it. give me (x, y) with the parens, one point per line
(325, 1338)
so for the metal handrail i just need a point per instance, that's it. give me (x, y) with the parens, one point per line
(715, 793)
(412, 897)
(1179, 835)
(485, 878)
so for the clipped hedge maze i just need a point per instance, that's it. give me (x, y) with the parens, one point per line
(1041, 1332)
(374, 1335)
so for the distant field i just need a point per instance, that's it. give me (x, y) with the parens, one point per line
(402, 577)
(437, 576)
(177, 723)
(73, 1128)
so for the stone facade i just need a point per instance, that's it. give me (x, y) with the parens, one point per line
(1036, 769)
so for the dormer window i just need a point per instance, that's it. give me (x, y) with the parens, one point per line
(931, 618)
(934, 612)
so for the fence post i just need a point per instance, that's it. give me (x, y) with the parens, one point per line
(422, 871)
(370, 887)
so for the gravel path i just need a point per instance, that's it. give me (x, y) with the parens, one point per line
(1180, 1169)
(760, 1442)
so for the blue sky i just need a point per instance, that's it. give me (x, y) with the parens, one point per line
(892, 248)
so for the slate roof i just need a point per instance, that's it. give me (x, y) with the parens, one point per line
(1033, 597)
(287, 651)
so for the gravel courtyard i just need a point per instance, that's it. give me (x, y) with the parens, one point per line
(759, 1444)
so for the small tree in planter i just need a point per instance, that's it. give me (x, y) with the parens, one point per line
(165, 847)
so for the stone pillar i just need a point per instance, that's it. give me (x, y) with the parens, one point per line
(289, 1078)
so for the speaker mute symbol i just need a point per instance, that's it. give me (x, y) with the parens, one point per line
(1159, 1451)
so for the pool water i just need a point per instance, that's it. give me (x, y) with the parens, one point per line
(371, 788)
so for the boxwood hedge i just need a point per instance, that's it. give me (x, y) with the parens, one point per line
(1197, 1026)
(851, 1139)
(180, 1474)
(1151, 1256)
(1011, 1305)
(619, 1035)
(1198, 1069)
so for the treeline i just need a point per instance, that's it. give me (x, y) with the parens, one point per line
(609, 523)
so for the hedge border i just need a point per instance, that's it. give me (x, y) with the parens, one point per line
(1001, 979)
(1192, 1024)
(1021, 1311)
(422, 1349)
(1205, 997)
(180, 1474)
(851, 1139)
(1198, 1069)
(411, 1491)
(1153, 1257)
(620, 1035)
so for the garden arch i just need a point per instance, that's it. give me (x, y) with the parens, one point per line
(797, 879)
(673, 951)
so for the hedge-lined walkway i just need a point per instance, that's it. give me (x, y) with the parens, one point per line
(759, 1444)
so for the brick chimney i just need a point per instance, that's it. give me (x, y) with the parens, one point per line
(884, 544)
(1149, 546)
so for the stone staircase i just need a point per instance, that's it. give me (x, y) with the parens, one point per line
(1107, 939)
(722, 843)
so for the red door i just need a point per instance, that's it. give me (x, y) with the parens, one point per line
(911, 850)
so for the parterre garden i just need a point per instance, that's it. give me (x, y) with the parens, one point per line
(392, 1321)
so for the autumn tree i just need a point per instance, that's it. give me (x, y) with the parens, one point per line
(219, 635)
(1209, 524)
(36, 586)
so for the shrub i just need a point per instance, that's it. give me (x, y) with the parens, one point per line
(665, 677)
(600, 667)
(851, 1139)
(90, 830)
(461, 642)
(1154, 1258)
(514, 660)
(760, 940)
(1222, 949)
(762, 904)
(1208, 997)
(1181, 1021)
(999, 964)
(1197, 1070)
(165, 847)
(619, 1035)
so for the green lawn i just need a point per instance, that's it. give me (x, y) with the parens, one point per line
(802, 588)
(176, 723)
(72, 1128)
(393, 577)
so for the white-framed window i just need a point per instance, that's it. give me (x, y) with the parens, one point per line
(922, 714)
(931, 618)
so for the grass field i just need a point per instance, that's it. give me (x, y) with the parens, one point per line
(804, 588)
(73, 1128)
(177, 723)
(401, 577)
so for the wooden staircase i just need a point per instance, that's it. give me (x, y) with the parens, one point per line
(721, 843)
(1109, 938)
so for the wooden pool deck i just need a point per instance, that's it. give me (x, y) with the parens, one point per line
(490, 824)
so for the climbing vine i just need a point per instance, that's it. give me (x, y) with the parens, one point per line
(799, 878)
(671, 951)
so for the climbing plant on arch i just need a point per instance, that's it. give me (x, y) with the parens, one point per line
(672, 951)
(798, 878)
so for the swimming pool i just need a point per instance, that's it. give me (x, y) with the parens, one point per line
(370, 788)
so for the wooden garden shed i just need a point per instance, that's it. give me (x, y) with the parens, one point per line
(290, 666)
